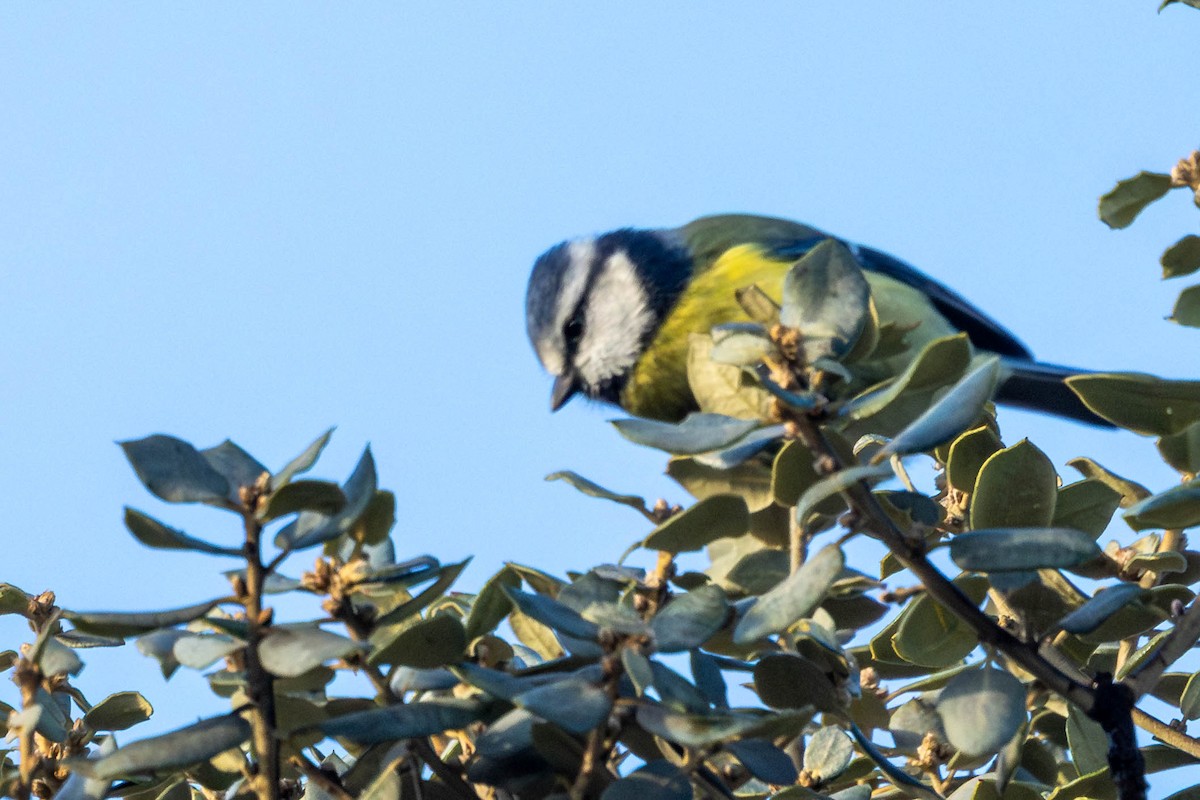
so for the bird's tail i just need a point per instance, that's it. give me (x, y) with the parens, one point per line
(1041, 387)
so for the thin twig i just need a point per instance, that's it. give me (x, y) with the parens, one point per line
(260, 684)
(317, 776)
(1161, 730)
(911, 554)
(1183, 637)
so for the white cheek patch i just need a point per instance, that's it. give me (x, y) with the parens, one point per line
(552, 350)
(618, 316)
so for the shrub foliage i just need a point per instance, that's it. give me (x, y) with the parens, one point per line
(1010, 660)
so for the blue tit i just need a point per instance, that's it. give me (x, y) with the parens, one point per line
(609, 316)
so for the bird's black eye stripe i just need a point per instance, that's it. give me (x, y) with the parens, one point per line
(573, 330)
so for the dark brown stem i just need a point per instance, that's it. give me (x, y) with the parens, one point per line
(596, 751)
(421, 747)
(259, 682)
(28, 677)
(911, 553)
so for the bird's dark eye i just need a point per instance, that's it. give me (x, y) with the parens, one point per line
(573, 330)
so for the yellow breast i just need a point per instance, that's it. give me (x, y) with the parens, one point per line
(658, 386)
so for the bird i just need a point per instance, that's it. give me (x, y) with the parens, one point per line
(609, 316)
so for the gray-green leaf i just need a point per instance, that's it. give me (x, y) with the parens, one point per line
(698, 433)
(1016, 549)
(1120, 207)
(792, 599)
(292, 651)
(175, 471)
(180, 748)
(152, 533)
(981, 710)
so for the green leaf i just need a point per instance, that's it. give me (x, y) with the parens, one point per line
(792, 472)
(13, 600)
(702, 730)
(118, 712)
(56, 658)
(175, 471)
(1087, 740)
(657, 780)
(1017, 488)
(744, 449)
(152, 533)
(160, 645)
(749, 480)
(201, 650)
(1187, 308)
(301, 463)
(447, 575)
(554, 614)
(596, 490)
(1120, 207)
(1130, 491)
(931, 636)
(573, 704)
(710, 519)
(741, 344)
(1108, 601)
(786, 680)
(237, 466)
(982, 710)
(540, 582)
(722, 388)
(698, 433)
(949, 416)
(815, 496)
(967, 456)
(690, 620)
(939, 364)
(1177, 507)
(377, 521)
(676, 691)
(828, 753)
(180, 748)
(1182, 450)
(1182, 258)
(793, 599)
(1017, 549)
(1189, 701)
(311, 529)
(764, 761)
(1086, 505)
(390, 724)
(292, 651)
(320, 497)
(104, 623)
(1142, 655)
(491, 605)
(706, 672)
(432, 642)
(638, 668)
(1140, 403)
(826, 297)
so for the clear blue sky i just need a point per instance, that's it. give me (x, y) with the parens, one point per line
(257, 221)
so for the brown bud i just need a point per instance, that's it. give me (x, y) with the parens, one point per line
(1187, 172)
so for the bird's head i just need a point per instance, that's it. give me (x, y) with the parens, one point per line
(593, 305)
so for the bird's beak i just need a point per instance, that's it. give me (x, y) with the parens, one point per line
(565, 387)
